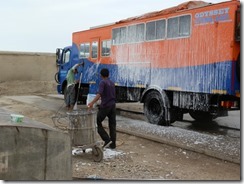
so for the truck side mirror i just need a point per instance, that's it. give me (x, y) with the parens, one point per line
(58, 55)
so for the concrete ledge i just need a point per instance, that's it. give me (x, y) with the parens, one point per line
(33, 151)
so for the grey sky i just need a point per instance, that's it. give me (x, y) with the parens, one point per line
(44, 25)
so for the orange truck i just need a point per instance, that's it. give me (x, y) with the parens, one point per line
(184, 59)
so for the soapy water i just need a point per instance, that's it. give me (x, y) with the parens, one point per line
(107, 153)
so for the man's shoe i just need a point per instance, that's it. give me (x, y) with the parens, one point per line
(106, 144)
(112, 146)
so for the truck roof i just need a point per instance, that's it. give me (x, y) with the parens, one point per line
(183, 6)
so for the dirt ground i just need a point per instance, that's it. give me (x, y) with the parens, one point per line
(134, 158)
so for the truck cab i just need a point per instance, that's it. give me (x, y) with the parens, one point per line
(66, 58)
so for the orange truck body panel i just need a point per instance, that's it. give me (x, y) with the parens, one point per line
(211, 43)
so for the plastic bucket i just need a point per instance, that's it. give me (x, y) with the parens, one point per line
(90, 97)
(17, 118)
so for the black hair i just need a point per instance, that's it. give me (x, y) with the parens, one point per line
(75, 70)
(104, 72)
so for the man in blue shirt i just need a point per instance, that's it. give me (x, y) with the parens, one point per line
(106, 92)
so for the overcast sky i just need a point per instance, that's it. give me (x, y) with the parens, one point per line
(44, 25)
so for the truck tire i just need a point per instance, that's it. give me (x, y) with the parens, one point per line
(154, 108)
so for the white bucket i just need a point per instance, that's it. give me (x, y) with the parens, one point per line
(17, 118)
(89, 99)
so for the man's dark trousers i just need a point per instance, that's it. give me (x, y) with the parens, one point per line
(109, 112)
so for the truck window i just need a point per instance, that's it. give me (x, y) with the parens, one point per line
(179, 27)
(119, 35)
(136, 33)
(184, 25)
(66, 56)
(84, 50)
(106, 47)
(155, 30)
(94, 49)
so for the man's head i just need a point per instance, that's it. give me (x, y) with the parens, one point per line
(104, 72)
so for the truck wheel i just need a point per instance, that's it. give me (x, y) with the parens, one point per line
(154, 108)
(202, 116)
(97, 154)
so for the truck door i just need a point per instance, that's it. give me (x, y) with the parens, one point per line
(64, 65)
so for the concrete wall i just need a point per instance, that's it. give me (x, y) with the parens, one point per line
(29, 153)
(27, 66)
(31, 150)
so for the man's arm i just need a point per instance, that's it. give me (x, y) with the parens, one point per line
(76, 65)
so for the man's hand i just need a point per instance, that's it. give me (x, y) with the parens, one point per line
(90, 106)
(80, 64)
